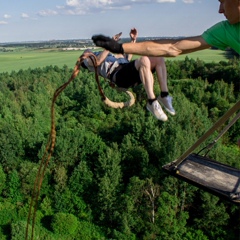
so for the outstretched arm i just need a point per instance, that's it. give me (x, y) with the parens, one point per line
(167, 47)
(162, 47)
(133, 35)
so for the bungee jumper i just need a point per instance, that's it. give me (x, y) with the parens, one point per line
(103, 65)
(124, 74)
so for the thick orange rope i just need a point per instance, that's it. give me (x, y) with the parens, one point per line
(51, 144)
(52, 137)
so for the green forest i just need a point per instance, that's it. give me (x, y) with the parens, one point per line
(105, 179)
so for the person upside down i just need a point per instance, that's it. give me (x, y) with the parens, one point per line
(124, 73)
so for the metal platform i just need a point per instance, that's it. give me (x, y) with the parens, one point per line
(208, 174)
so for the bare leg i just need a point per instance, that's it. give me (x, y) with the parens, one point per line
(158, 64)
(143, 65)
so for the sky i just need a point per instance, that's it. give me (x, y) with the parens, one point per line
(41, 20)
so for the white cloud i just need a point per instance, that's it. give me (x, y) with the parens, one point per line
(73, 3)
(6, 16)
(59, 7)
(3, 22)
(162, 1)
(24, 15)
(149, 1)
(87, 4)
(188, 1)
(82, 7)
(47, 12)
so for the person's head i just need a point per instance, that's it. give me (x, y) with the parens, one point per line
(87, 51)
(83, 65)
(231, 10)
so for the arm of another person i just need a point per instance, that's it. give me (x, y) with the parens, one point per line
(166, 47)
(156, 48)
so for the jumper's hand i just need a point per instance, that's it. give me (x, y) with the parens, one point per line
(133, 34)
(107, 43)
(117, 36)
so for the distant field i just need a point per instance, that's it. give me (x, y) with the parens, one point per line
(205, 55)
(14, 61)
(24, 59)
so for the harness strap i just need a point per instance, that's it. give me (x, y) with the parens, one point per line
(112, 68)
(112, 76)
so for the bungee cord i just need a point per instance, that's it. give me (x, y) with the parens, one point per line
(52, 138)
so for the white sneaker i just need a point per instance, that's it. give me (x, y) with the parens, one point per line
(157, 111)
(167, 103)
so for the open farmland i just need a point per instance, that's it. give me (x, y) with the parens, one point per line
(16, 59)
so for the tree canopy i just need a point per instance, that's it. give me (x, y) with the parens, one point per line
(105, 178)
